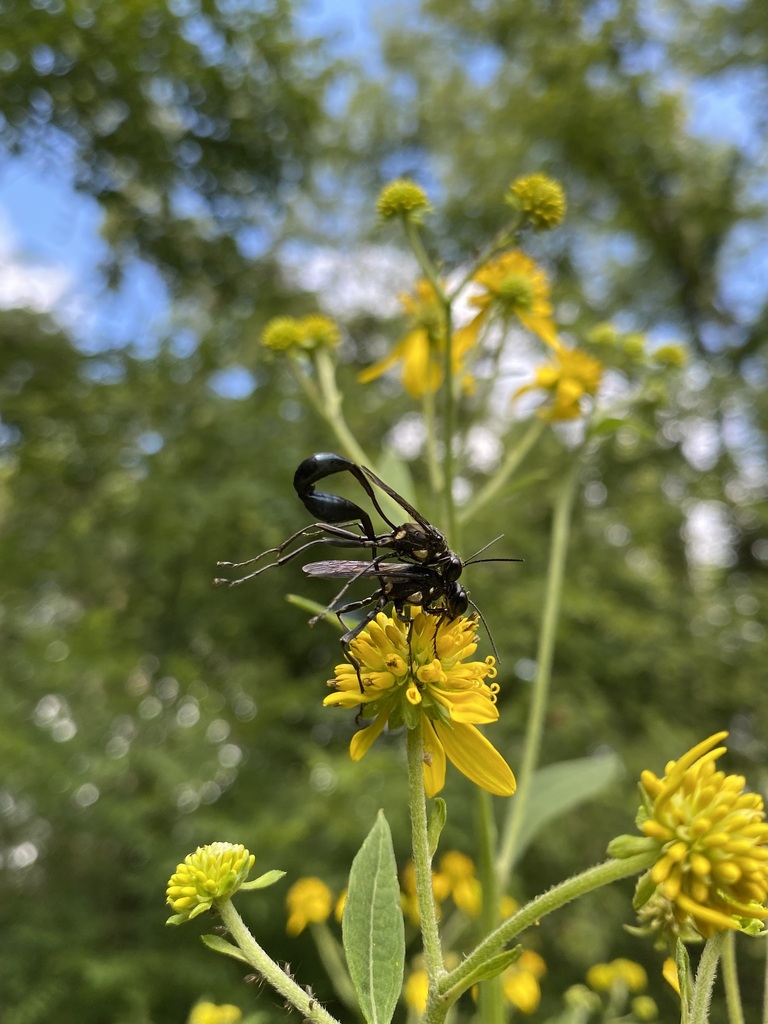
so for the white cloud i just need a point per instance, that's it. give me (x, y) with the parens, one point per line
(26, 283)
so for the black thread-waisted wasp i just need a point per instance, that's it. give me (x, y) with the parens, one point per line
(426, 572)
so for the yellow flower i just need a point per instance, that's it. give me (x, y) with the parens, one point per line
(416, 991)
(514, 285)
(620, 972)
(570, 377)
(670, 355)
(408, 898)
(422, 349)
(414, 672)
(402, 198)
(540, 198)
(712, 868)
(456, 877)
(286, 333)
(309, 901)
(281, 334)
(338, 909)
(520, 982)
(211, 1013)
(645, 1008)
(670, 975)
(317, 331)
(507, 906)
(211, 873)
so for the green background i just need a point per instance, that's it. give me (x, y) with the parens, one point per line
(142, 712)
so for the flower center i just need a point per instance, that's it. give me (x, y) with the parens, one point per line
(516, 293)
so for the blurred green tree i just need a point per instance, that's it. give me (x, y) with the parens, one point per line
(143, 713)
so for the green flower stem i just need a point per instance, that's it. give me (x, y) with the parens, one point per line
(491, 997)
(705, 979)
(433, 464)
(332, 959)
(307, 1006)
(427, 266)
(422, 860)
(326, 401)
(731, 981)
(414, 240)
(535, 727)
(455, 983)
(510, 464)
(501, 241)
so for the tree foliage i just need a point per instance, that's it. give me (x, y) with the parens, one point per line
(144, 713)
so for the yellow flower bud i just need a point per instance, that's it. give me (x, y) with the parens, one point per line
(402, 198)
(540, 198)
(211, 873)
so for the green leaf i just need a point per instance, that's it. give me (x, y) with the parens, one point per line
(683, 964)
(609, 425)
(372, 926)
(492, 967)
(220, 945)
(559, 788)
(265, 880)
(437, 819)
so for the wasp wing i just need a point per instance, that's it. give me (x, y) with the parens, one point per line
(343, 569)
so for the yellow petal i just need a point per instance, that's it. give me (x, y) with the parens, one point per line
(434, 759)
(465, 337)
(476, 758)
(362, 740)
(372, 372)
(422, 374)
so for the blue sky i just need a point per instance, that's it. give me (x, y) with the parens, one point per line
(50, 249)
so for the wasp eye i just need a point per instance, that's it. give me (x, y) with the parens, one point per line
(453, 567)
(457, 600)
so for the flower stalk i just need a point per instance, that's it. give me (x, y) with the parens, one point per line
(306, 1004)
(538, 708)
(705, 979)
(506, 470)
(326, 400)
(422, 859)
(430, 272)
(579, 885)
(731, 981)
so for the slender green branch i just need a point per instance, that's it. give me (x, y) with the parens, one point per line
(326, 401)
(501, 241)
(427, 266)
(433, 464)
(306, 1004)
(537, 712)
(430, 272)
(490, 1000)
(332, 958)
(510, 464)
(731, 981)
(705, 979)
(588, 881)
(422, 860)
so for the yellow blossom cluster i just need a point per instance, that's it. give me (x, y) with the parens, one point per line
(415, 671)
(712, 869)
(211, 873)
(305, 334)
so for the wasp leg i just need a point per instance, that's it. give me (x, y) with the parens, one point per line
(378, 600)
(320, 533)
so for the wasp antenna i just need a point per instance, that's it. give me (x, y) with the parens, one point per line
(477, 561)
(484, 548)
(487, 630)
